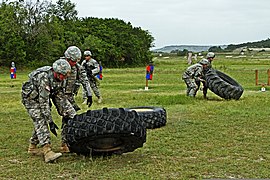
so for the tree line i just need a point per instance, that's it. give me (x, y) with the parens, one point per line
(34, 33)
(258, 44)
(232, 47)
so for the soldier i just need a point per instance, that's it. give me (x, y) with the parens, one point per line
(92, 69)
(77, 76)
(36, 92)
(193, 74)
(210, 57)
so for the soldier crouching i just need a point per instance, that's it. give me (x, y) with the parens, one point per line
(36, 93)
(193, 76)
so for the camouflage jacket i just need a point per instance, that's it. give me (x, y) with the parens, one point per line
(194, 71)
(77, 75)
(37, 90)
(92, 65)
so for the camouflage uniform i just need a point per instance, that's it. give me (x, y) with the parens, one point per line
(193, 74)
(198, 82)
(36, 93)
(93, 66)
(209, 57)
(77, 76)
(71, 84)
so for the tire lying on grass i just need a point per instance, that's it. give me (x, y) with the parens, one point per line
(105, 132)
(153, 117)
(223, 85)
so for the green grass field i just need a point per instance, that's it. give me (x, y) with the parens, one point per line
(212, 138)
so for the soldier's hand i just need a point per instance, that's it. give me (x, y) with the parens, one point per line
(89, 101)
(53, 128)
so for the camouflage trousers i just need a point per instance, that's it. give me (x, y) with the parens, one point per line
(192, 87)
(94, 83)
(41, 132)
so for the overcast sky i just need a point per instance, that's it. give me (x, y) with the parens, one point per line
(188, 22)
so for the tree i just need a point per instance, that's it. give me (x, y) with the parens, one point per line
(38, 32)
(215, 49)
(180, 53)
(11, 41)
(64, 9)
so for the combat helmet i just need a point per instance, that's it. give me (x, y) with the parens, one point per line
(61, 66)
(87, 53)
(210, 55)
(73, 53)
(204, 62)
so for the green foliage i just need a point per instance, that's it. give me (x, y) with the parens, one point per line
(180, 53)
(118, 42)
(215, 49)
(63, 9)
(40, 31)
(259, 44)
(11, 40)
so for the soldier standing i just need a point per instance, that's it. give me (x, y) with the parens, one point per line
(193, 74)
(77, 76)
(92, 69)
(36, 92)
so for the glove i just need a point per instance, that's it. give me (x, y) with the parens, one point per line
(53, 128)
(76, 107)
(89, 101)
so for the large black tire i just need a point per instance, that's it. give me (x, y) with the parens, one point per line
(223, 85)
(153, 117)
(105, 132)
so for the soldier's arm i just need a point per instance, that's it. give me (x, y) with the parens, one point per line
(96, 67)
(44, 90)
(64, 107)
(198, 74)
(82, 64)
(84, 80)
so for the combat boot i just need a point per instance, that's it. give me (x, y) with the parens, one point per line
(64, 148)
(49, 155)
(33, 150)
(99, 100)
